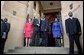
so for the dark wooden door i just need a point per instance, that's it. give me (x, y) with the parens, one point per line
(51, 40)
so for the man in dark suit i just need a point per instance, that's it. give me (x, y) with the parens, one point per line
(2, 30)
(73, 30)
(36, 33)
(44, 29)
(5, 33)
(2, 27)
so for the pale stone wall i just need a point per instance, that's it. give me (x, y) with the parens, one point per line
(42, 14)
(2, 4)
(15, 37)
(77, 12)
(36, 14)
(30, 9)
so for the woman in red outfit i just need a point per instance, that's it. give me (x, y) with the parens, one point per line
(28, 30)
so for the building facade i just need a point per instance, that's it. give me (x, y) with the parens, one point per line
(17, 11)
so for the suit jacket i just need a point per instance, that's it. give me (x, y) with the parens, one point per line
(2, 27)
(35, 22)
(7, 27)
(44, 25)
(72, 26)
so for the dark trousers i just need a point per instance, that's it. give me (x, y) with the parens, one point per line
(2, 45)
(35, 39)
(44, 38)
(72, 39)
(24, 41)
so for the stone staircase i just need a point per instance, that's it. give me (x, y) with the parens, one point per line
(38, 50)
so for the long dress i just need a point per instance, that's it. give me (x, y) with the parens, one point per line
(28, 30)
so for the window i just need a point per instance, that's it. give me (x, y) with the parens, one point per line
(35, 5)
(14, 13)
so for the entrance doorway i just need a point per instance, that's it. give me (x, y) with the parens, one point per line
(51, 17)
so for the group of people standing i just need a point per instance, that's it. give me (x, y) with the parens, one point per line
(36, 31)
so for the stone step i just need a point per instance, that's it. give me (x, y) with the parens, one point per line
(38, 50)
(27, 48)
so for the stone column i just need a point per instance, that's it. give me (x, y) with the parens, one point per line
(30, 9)
(37, 9)
(42, 14)
(2, 3)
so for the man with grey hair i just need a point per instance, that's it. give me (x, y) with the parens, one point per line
(73, 30)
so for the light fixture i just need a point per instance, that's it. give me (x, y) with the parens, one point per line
(51, 3)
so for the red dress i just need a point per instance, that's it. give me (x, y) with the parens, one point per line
(28, 30)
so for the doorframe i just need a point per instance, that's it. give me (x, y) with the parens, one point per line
(59, 13)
